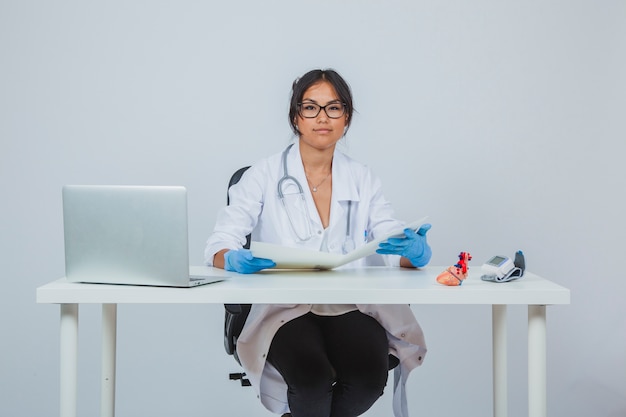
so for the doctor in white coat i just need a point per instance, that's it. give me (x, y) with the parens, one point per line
(320, 360)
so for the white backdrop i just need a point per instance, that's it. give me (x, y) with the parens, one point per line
(502, 120)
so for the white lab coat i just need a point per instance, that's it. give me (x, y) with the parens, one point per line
(256, 209)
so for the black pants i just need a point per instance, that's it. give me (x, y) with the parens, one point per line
(334, 366)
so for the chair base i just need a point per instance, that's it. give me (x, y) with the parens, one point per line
(241, 377)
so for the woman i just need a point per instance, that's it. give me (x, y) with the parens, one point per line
(319, 360)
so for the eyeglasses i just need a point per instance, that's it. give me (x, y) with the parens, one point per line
(311, 110)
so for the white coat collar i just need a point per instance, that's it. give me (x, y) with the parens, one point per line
(344, 184)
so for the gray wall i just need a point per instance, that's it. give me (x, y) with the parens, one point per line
(502, 120)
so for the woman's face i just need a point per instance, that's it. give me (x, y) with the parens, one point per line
(321, 132)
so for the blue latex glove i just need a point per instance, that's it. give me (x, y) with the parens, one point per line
(412, 246)
(243, 262)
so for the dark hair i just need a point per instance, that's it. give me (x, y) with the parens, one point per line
(300, 85)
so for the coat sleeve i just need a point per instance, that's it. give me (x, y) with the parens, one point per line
(381, 217)
(238, 219)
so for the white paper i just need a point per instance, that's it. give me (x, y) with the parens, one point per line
(296, 258)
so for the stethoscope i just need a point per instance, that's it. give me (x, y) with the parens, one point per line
(348, 244)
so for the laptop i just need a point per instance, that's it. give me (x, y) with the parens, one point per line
(135, 235)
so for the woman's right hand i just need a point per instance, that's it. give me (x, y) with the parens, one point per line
(242, 261)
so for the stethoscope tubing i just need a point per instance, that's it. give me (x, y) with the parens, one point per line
(348, 244)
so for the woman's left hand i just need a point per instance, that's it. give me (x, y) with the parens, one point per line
(412, 246)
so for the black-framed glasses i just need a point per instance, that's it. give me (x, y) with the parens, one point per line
(311, 110)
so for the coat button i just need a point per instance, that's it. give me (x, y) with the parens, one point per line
(419, 358)
(402, 335)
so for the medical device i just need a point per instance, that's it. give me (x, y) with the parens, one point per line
(499, 266)
(502, 268)
(299, 206)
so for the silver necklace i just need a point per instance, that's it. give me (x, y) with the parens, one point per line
(315, 187)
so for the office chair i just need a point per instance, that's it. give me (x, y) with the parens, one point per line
(235, 315)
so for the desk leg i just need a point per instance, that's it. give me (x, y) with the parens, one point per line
(537, 400)
(499, 346)
(69, 359)
(109, 341)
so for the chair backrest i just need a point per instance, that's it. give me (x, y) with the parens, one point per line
(234, 179)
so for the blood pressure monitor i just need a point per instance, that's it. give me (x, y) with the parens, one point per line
(503, 269)
(499, 266)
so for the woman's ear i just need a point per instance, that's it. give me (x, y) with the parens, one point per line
(295, 123)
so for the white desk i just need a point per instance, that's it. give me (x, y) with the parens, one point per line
(358, 286)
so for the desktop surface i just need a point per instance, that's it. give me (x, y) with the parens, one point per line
(373, 285)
